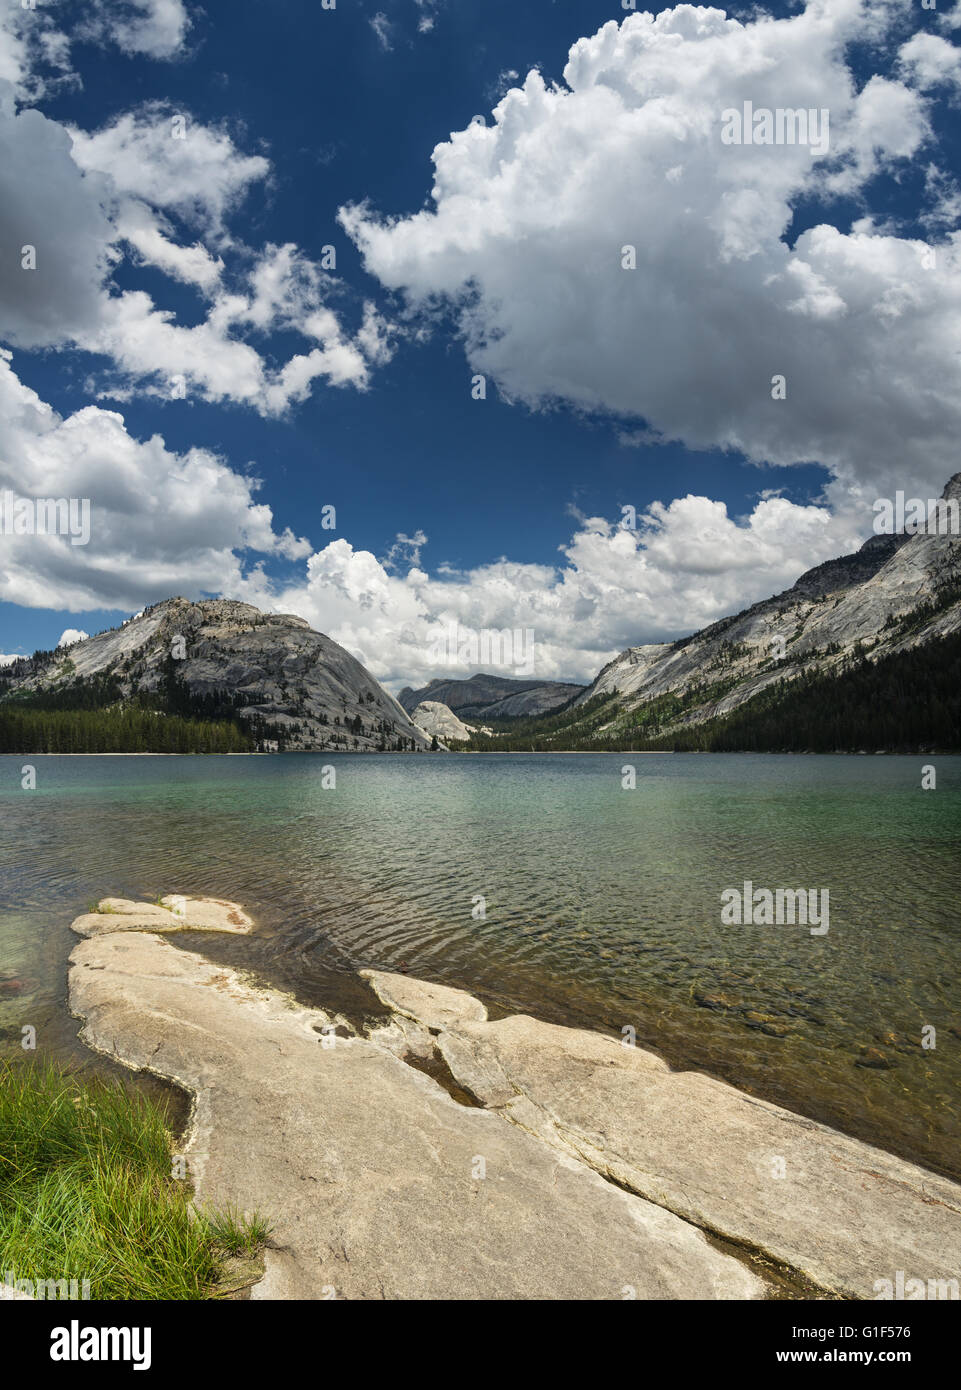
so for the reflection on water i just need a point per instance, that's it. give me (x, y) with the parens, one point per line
(602, 906)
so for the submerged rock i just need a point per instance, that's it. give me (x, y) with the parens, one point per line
(716, 999)
(874, 1058)
(767, 1023)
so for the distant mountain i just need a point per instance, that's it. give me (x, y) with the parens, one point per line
(437, 721)
(492, 697)
(848, 633)
(863, 651)
(254, 679)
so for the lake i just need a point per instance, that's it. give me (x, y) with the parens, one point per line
(541, 884)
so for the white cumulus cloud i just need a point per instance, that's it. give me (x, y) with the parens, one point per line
(524, 242)
(154, 187)
(160, 522)
(687, 563)
(930, 61)
(155, 28)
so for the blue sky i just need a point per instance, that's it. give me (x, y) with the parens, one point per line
(605, 387)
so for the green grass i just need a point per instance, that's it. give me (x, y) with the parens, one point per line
(86, 1192)
(237, 1234)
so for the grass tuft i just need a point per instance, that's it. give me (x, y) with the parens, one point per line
(86, 1192)
(237, 1234)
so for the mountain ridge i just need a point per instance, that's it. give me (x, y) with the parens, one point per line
(491, 697)
(830, 613)
(272, 674)
(897, 592)
(285, 686)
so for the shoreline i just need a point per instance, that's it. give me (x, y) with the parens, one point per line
(522, 753)
(553, 1094)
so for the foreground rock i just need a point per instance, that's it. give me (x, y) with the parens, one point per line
(840, 1212)
(377, 1183)
(173, 913)
(380, 1185)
